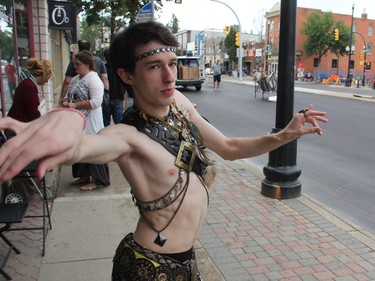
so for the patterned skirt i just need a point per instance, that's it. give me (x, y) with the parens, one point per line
(132, 262)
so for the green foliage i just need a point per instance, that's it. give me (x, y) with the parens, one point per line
(117, 11)
(319, 29)
(173, 24)
(6, 43)
(230, 44)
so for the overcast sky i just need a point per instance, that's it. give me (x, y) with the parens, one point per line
(203, 14)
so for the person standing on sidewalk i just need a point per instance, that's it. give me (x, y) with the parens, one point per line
(10, 71)
(159, 149)
(85, 93)
(217, 70)
(100, 69)
(114, 105)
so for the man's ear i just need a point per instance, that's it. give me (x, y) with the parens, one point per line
(125, 76)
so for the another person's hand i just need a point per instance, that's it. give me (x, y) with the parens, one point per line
(51, 139)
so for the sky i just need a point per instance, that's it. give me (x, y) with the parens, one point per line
(207, 14)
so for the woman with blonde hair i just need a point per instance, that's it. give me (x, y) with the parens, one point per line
(25, 109)
(26, 99)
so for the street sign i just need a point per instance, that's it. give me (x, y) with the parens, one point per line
(146, 13)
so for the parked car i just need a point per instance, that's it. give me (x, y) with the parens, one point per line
(190, 72)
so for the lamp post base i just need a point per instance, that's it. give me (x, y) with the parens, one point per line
(281, 190)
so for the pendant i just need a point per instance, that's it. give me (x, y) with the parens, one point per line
(160, 240)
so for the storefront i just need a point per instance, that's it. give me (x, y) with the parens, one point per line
(35, 28)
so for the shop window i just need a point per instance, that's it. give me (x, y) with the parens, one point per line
(334, 63)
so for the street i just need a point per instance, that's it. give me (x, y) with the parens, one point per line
(337, 168)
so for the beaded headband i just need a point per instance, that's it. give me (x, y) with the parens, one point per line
(154, 52)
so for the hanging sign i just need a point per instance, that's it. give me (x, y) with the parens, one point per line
(61, 15)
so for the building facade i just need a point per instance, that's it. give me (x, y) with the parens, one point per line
(41, 29)
(363, 35)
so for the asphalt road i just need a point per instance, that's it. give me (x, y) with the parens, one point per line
(337, 168)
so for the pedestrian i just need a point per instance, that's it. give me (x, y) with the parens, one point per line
(100, 69)
(10, 71)
(159, 149)
(114, 106)
(25, 108)
(217, 74)
(85, 93)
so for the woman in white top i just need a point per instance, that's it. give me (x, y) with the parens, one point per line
(85, 93)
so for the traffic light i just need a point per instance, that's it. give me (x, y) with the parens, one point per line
(337, 34)
(238, 39)
(226, 29)
(361, 56)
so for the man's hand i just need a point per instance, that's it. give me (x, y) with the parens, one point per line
(308, 115)
(51, 139)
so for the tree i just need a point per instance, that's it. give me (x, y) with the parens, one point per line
(173, 24)
(320, 29)
(230, 44)
(117, 11)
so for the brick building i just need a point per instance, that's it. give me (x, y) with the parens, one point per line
(329, 64)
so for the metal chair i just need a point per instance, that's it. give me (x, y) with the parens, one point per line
(10, 214)
(29, 172)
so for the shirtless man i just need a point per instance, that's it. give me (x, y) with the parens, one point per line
(158, 149)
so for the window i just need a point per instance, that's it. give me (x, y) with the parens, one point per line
(369, 47)
(316, 62)
(334, 63)
(370, 31)
(351, 64)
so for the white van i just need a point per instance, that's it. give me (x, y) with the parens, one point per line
(190, 72)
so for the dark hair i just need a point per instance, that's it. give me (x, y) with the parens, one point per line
(123, 48)
(106, 55)
(83, 45)
(86, 58)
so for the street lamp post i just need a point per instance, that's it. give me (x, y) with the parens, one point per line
(281, 172)
(239, 30)
(348, 80)
(268, 46)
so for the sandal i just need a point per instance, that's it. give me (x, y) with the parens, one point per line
(80, 181)
(88, 187)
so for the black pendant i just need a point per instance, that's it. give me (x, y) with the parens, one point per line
(160, 240)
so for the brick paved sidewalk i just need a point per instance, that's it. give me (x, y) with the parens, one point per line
(252, 237)
(246, 236)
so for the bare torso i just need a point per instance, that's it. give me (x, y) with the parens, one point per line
(151, 172)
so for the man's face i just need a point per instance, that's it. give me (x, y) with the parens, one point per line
(153, 81)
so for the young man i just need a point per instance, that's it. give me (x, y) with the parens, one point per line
(158, 149)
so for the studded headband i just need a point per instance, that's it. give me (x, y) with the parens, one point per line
(154, 52)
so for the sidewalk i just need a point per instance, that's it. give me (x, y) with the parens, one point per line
(361, 93)
(246, 236)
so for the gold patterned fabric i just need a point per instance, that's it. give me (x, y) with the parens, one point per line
(132, 262)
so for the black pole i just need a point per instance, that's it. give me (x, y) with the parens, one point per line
(281, 172)
(348, 78)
